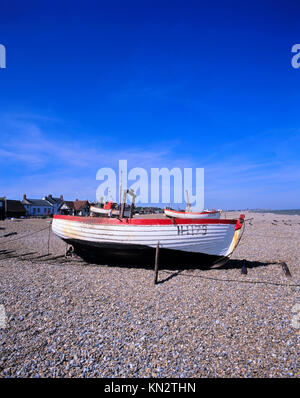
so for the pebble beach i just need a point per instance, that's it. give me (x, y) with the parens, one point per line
(68, 318)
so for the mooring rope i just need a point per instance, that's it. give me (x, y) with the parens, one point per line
(49, 235)
(188, 275)
(25, 236)
(277, 236)
(235, 280)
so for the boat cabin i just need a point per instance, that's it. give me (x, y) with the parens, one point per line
(111, 205)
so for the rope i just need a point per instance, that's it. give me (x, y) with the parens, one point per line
(276, 236)
(49, 235)
(25, 236)
(236, 280)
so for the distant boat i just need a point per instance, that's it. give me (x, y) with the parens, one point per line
(208, 236)
(192, 215)
(110, 208)
(99, 210)
(188, 214)
(102, 211)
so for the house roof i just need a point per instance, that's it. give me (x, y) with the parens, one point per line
(67, 203)
(36, 202)
(53, 200)
(80, 204)
(15, 206)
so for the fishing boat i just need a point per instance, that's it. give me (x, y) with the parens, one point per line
(99, 210)
(109, 209)
(104, 212)
(192, 215)
(208, 236)
(189, 214)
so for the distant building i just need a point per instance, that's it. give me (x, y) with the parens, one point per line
(50, 205)
(14, 208)
(2, 208)
(67, 208)
(76, 208)
(37, 207)
(81, 207)
(55, 202)
(11, 208)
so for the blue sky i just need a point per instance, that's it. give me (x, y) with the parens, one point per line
(159, 83)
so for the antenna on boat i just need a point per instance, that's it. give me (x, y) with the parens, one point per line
(188, 207)
(123, 203)
(109, 193)
(133, 195)
(120, 199)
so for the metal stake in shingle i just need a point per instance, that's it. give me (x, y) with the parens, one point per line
(49, 234)
(244, 268)
(286, 269)
(156, 263)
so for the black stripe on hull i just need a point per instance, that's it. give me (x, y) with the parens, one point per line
(128, 254)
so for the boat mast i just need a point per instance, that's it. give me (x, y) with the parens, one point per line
(133, 195)
(188, 207)
(120, 198)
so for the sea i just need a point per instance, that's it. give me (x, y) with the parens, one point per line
(292, 212)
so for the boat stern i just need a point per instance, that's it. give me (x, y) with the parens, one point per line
(239, 227)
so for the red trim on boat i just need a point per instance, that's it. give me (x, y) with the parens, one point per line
(239, 222)
(144, 221)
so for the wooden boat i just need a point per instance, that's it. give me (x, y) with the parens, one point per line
(192, 215)
(102, 211)
(209, 236)
(109, 209)
(99, 210)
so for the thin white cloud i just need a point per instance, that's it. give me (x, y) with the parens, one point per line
(52, 163)
(36, 148)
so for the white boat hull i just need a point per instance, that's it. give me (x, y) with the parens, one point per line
(192, 215)
(98, 210)
(102, 211)
(212, 237)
